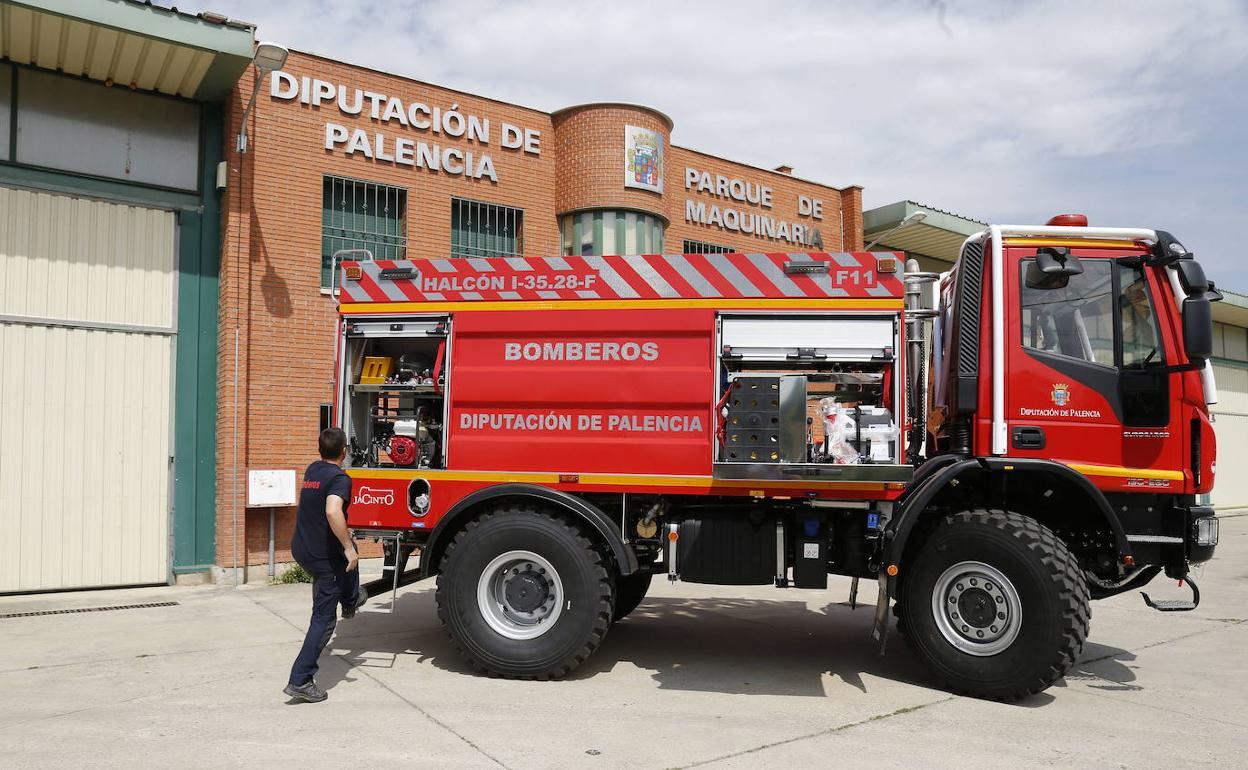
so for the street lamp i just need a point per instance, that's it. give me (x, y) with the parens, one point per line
(911, 218)
(268, 57)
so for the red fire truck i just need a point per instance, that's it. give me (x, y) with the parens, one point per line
(552, 432)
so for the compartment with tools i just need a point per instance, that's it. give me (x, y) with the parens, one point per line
(395, 392)
(801, 390)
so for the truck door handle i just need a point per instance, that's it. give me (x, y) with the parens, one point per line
(1027, 437)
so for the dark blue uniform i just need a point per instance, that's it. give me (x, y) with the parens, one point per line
(318, 551)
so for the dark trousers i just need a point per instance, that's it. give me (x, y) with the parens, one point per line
(331, 585)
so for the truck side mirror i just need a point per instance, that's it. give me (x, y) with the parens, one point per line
(1198, 327)
(1052, 269)
(1192, 276)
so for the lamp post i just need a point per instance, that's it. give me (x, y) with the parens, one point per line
(267, 58)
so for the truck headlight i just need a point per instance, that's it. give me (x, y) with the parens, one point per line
(1205, 531)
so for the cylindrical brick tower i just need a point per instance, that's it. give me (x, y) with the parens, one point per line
(609, 170)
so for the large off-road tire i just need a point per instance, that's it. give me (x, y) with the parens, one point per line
(995, 604)
(629, 591)
(524, 594)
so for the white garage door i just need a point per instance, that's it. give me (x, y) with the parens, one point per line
(1230, 424)
(86, 355)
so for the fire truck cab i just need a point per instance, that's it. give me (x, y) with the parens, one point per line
(551, 433)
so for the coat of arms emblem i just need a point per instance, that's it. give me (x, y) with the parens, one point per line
(1060, 393)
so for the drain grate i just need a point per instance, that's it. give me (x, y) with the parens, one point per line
(88, 609)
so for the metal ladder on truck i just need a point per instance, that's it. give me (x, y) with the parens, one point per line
(394, 572)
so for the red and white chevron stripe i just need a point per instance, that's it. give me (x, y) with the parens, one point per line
(649, 276)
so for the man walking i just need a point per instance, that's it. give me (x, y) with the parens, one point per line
(322, 545)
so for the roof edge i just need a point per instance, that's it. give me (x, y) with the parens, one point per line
(883, 218)
(771, 171)
(554, 116)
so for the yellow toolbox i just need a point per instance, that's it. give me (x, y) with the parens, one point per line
(376, 370)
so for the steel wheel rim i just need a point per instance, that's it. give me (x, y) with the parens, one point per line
(520, 595)
(977, 608)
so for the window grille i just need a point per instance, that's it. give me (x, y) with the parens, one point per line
(485, 229)
(361, 215)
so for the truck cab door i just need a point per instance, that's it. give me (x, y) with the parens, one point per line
(1086, 377)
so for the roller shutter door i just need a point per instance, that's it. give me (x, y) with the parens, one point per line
(87, 336)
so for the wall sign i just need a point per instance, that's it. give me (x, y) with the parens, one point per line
(270, 488)
(752, 215)
(643, 159)
(462, 129)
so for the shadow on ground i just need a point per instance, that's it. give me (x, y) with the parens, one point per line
(724, 645)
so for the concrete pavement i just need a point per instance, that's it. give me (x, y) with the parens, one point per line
(699, 676)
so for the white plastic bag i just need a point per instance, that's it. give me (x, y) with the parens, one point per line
(838, 427)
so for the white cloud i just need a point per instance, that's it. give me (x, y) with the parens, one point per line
(997, 110)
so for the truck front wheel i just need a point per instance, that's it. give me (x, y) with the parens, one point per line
(995, 604)
(524, 594)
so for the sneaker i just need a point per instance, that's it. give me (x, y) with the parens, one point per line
(306, 692)
(348, 612)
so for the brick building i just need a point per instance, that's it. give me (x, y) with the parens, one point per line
(342, 157)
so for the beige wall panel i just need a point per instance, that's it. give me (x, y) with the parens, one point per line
(84, 457)
(85, 413)
(72, 259)
(1230, 486)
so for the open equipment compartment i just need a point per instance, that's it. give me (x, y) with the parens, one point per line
(804, 394)
(394, 389)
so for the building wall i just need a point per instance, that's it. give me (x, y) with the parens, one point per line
(277, 325)
(839, 224)
(1230, 414)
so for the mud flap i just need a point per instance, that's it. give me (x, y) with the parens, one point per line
(879, 632)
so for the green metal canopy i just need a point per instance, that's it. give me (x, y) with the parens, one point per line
(129, 43)
(937, 236)
(1233, 309)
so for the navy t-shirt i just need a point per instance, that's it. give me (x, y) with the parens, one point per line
(314, 541)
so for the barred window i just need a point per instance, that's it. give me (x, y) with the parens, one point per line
(701, 247)
(485, 229)
(361, 215)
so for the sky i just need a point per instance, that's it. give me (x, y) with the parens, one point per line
(1130, 111)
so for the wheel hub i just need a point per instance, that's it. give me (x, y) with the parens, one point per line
(976, 608)
(526, 591)
(520, 595)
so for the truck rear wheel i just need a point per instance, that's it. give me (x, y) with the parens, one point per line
(995, 604)
(629, 591)
(524, 594)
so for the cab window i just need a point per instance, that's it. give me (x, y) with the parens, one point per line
(1104, 315)
(1075, 320)
(1139, 321)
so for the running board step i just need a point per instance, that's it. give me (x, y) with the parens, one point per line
(394, 573)
(1175, 605)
